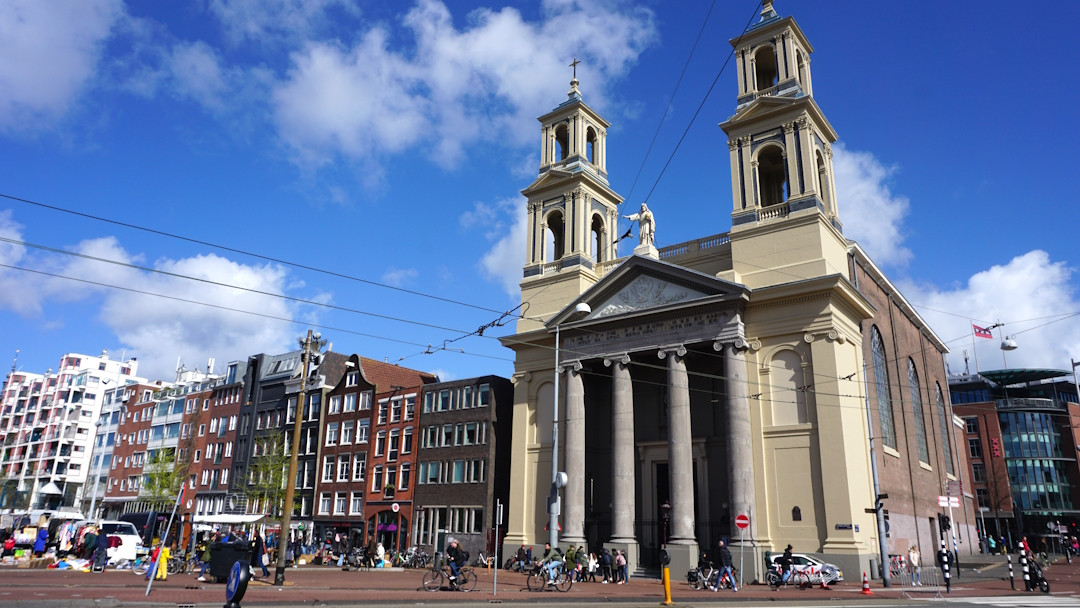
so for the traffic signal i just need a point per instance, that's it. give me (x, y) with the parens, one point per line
(945, 523)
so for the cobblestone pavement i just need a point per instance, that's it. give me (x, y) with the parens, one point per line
(317, 586)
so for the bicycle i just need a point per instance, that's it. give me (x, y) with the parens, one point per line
(538, 578)
(775, 578)
(483, 560)
(698, 579)
(466, 579)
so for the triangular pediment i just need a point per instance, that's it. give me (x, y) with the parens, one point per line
(643, 284)
(549, 177)
(764, 106)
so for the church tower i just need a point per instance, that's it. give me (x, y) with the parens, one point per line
(572, 211)
(785, 225)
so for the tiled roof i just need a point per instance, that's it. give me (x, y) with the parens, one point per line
(385, 375)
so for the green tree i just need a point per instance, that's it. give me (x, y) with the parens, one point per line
(266, 481)
(163, 474)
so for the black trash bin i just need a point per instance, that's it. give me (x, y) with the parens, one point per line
(223, 556)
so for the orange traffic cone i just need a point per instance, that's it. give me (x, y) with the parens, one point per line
(866, 585)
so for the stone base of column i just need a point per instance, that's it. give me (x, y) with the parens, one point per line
(566, 541)
(647, 251)
(750, 560)
(631, 549)
(684, 557)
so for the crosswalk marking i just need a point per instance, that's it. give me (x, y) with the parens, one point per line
(1064, 600)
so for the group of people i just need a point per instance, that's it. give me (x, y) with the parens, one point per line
(721, 561)
(583, 566)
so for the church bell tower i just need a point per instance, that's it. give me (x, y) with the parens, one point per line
(572, 211)
(785, 225)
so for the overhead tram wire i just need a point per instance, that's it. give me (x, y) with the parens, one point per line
(244, 252)
(671, 99)
(727, 60)
(231, 309)
(230, 286)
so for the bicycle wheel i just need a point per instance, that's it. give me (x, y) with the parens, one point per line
(536, 580)
(773, 579)
(801, 580)
(141, 568)
(433, 580)
(696, 582)
(565, 581)
(466, 579)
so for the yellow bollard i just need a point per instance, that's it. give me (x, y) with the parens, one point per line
(667, 587)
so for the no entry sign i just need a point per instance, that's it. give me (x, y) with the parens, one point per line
(742, 521)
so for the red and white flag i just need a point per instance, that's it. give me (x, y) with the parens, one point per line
(982, 332)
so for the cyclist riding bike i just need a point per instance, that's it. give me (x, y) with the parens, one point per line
(552, 560)
(786, 562)
(456, 559)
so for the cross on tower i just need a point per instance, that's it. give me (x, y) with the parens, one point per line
(574, 65)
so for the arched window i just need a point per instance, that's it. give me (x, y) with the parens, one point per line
(881, 388)
(916, 408)
(946, 443)
(562, 141)
(765, 67)
(553, 240)
(596, 243)
(772, 177)
(823, 180)
(788, 400)
(590, 144)
(801, 67)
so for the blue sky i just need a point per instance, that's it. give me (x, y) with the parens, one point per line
(388, 142)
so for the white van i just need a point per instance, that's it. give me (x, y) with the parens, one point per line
(130, 541)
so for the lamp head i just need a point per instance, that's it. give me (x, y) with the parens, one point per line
(582, 308)
(1008, 344)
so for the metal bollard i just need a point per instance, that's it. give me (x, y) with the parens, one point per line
(1024, 569)
(945, 567)
(1012, 580)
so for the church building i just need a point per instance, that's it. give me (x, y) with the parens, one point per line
(757, 374)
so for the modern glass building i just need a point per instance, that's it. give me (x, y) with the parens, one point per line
(1021, 428)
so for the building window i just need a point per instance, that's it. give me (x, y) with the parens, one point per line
(350, 402)
(881, 386)
(410, 407)
(917, 411)
(365, 401)
(982, 497)
(971, 425)
(380, 443)
(376, 478)
(356, 504)
(362, 431)
(359, 466)
(944, 419)
(332, 433)
(405, 477)
(978, 472)
(328, 468)
(347, 432)
(395, 439)
(324, 503)
(406, 443)
(395, 410)
(343, 467)
(352, 378)
(382, 412)
(974, 447)
(335, 405)
(484, 396)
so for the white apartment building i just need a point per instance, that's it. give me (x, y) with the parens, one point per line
(47, 429)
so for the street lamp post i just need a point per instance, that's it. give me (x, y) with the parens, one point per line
(311, 342)
(558, 478)
(982, 516)
(97, 471)
(665, 512)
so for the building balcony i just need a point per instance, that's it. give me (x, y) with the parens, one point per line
(1029, 403)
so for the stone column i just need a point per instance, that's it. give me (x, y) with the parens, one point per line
(680, 450)
(623, 489)
(574, 493)
(740, 450)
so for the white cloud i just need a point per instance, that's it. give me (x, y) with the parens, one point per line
(197, 73)
(504, 261)
(155, 329)
(1031, 294)
(51, 51)
(262, 20)
(871, 213)
(399, 276)
(458, 88)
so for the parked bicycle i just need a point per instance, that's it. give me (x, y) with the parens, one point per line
(699, 579)
(435, 577)
(539, 579)
(483, 560)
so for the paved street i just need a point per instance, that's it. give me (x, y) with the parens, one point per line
(317, 586)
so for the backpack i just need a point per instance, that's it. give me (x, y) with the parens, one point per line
(466, 554)
(605, 559)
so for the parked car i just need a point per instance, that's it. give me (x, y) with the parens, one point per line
(130, 541)
(801, 561)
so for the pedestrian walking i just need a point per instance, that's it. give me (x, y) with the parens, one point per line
(258, 553)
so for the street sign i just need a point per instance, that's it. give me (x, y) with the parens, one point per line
(395, 507)
(742, 521)
(954, 487)
(948, 501)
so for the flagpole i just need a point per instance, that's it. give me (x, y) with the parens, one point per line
(974, 348)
